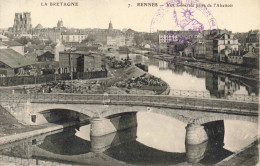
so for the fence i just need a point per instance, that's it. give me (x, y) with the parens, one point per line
(243, 107)
(205, 94)
(24, 80)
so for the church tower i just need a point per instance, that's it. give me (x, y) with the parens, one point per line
(22, 22)
(110, 27)
(60, 24)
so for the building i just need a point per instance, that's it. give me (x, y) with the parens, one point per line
(147, 46)
(60, 24)
(3, 38)
(209, 49)
(86, 48)
(178, 36)
(58, 48)
(46, 57)
(89, 63)
(101, 37)
(189, 51)
(116, 40)
(52, 34)
(38, 27)
(251, 60)
(129, 38)
(224, 43)
(114, 36)
(73, 36)
(22, 23)
(12, 63)
(79, 61)
(235, 59)
(252, 41)
(110, 27)
(167, 37)
(200, 50)
(18, 47)
(231, 56)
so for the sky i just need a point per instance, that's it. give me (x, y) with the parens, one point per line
(242, 17)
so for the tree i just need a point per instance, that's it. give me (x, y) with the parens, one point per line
(139, 39)
(35, 41)
(90, 39)
(23, 40)
(48, 42)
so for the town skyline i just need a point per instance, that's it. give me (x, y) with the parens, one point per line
(98, 15)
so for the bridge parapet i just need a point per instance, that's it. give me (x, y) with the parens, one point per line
(206, 95)
(166, 101)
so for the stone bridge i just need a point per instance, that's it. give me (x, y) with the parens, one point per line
(110, 113)
(101, 150)
(35, 106)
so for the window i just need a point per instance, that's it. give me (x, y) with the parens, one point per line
(33, 118)
(34, 142)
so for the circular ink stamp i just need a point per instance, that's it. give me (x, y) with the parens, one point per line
(181, 22)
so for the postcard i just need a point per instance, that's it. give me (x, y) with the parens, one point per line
(129, 82)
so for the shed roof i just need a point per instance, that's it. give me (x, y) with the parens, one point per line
(11, 43)
(13, 58)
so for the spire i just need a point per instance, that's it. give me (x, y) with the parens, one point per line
(110, 26)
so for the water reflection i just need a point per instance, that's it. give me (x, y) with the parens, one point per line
(156, 140)
(65, 143)
(187, 78)
(160, 132)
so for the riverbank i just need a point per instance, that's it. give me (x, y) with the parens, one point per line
(9, 125)
(46, 128)
(125, 75)
(11, 130)
(246, 156)
(235, 71)
(100, 86)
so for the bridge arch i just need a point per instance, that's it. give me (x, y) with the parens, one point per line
(157, 110)
(206, 119)
(38, 108)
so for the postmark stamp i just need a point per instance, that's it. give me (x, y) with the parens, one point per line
(177, 16)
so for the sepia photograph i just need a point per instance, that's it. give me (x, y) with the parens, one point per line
(129, 82)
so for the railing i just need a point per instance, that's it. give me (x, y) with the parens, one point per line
(172, 92)
(144, 100)
(205, 94)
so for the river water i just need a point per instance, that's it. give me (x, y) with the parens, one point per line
(157, 139)
(190, 79)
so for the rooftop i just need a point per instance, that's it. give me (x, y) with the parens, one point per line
(74, 33)
(251, 55)
(3, 37)
(87, 53)
(39, 26)
(11, 43)
(13, 58)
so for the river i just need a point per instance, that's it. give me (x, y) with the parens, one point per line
(156, 140)
(186, 78)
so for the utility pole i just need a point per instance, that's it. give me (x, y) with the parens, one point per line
(71, 71)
